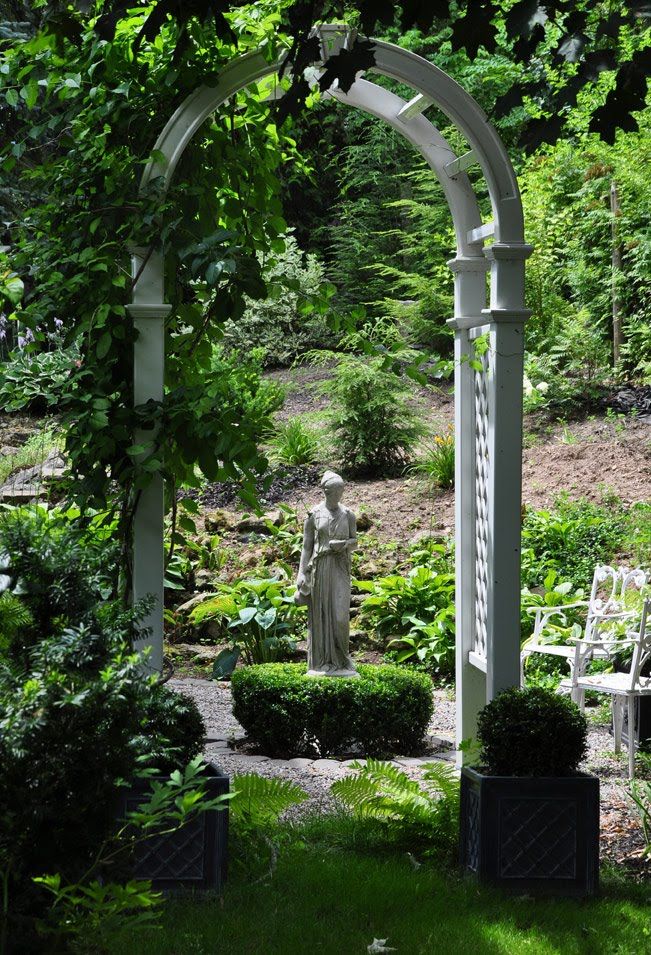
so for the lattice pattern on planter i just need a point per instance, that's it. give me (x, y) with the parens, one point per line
(538, 838)
(472, 829)
(482, 465)
(176, 855)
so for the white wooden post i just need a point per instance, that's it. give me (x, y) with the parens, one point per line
(506, 318)
(149, 314)
(469, 305)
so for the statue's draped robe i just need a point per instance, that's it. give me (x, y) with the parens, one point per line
(329, 603)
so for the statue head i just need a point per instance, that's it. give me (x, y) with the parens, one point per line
(333, 488)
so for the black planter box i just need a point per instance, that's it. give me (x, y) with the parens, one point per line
(193, 857)
(537, 836)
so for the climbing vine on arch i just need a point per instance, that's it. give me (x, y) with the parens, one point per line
(83, 116)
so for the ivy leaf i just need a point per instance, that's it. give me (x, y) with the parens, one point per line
(475, 29)
(104, 345)
(346, 64)
(523, 17)
(422, 13)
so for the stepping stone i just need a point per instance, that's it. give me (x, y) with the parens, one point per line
(326, 765)
(299, 762)
(349, 762)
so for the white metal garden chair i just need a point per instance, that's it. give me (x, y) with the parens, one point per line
(608, 607)
(622, 687)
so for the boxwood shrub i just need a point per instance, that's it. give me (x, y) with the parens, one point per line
(286, 713)
(531, 732)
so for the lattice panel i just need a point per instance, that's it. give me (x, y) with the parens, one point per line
(538, 838)
(482, 465)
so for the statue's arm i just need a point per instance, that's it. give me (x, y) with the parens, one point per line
(308, 548)
(351, 543)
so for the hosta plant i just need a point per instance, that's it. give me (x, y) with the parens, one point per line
(258, 619)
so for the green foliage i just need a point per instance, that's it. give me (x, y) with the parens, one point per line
(571, 539)
(293, 316)
(429, 811)
(36, 381)
(295, 443)
(640, 793)
(97, 913)
(416, 611)
(14, 617)
(385, 711)
(93, 911)
(436, 461)
(374, 427)
(258, 617)
(60, 569)
(531, 732)
(258, 802)
(78, 712)
(77, 136)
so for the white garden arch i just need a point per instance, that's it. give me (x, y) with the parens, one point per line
(488, 402)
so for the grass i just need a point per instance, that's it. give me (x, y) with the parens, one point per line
(33, 452)
(334, 892)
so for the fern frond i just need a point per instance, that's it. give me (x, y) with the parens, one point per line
(14, 616)
(444, 779)
(382, 790)
(258, 801)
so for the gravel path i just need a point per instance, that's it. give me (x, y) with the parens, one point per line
(621, 834)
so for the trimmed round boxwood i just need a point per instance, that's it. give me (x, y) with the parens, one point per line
(385, 711)
(531, 732)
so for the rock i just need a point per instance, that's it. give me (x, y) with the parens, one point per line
(27, 484)
(299, 763)
(364, 521)
(204, 578)
(220, 520)
(6, 451)
(20, 493)
(194, 601)
(254, 524)
(194, 652)
(326, 765)
(347, 763)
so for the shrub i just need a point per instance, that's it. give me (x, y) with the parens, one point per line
(386, 710)
(294, 443)
(531, 732)
(78, 713)
(571, 539)
(287, 322)
(375, 428)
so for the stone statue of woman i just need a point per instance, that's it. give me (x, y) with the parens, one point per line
(323, 582)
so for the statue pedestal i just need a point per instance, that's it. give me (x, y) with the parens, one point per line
(351, 674)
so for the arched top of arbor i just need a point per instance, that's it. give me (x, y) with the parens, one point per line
(432, 87)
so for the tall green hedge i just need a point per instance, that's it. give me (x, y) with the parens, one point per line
(285, 712)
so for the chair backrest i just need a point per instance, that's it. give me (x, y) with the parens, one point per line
(612, 589)
(642, 646)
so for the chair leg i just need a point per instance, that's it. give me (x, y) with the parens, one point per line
(618, 719)
(631, 737)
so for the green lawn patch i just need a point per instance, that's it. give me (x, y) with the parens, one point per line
(325, 897)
